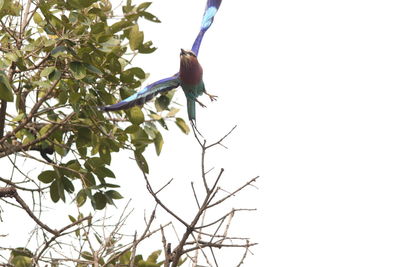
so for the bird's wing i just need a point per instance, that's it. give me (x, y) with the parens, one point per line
(208, 18)
(146, 94)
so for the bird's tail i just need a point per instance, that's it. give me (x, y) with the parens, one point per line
(191, 109)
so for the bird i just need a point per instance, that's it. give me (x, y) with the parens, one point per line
(189, 77)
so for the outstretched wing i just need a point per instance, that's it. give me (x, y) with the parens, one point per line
(208, 18)
(146, 94)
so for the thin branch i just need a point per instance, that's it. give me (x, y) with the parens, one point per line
(20, 187)
(195, 195)
(12, 192)
(222, 139)
(60, 233)
(32, 113)
(214, 245)
(3, 109)
(166, 247)
(162, 188)
(233, 193)
(135, 243)
(150, 189)
(245, 254)
(222, 218)
(14, 149)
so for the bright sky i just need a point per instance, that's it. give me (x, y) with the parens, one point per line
(314, 89)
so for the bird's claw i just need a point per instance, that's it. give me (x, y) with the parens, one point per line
(212, 97)
(201, 104)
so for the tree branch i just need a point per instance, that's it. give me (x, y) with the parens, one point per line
(3, 109)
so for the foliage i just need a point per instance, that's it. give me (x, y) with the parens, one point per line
(61, 60)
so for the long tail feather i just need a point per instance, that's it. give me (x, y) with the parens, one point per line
(191, 109)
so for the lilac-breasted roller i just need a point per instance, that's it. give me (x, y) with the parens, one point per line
(189, 77)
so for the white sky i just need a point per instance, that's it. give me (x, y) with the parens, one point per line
(314, 89)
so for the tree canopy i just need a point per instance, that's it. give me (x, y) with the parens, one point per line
(61, 61)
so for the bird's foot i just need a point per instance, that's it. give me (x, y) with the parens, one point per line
(212, 97)
(201, 104)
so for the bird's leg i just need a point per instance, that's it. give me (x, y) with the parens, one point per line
(212, 97)
(201, 104)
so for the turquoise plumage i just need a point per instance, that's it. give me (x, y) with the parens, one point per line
(189, 77)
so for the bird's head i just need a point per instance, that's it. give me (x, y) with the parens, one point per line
(188, 58)
(187, 54)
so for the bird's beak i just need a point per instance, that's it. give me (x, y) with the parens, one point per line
(183, 52)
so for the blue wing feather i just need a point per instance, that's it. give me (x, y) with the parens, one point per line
(145, 94)
(208, 18)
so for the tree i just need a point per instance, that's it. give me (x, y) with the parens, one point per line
(60, 61)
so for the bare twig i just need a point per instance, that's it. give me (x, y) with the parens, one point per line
(166, 247)
(206, 203)
(245, 254)
(233, 193)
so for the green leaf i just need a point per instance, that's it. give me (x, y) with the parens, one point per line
(115, 65)
(44, 129)
(147, 48)
(125, 258)
(19, 117)
(128, 76)
(78, 69)
(68, 185)
(79, 4)
(99, 201)
(150, 17)
(158, 143)
(6, 92)
(162, 103)
(143, 6)
(114, 194)
(119, 26)
(181, 261)
(182, 125)
(137, 259)
(84, 136)
(20, 251)
(47, 176)
(55, 75)
(93, 69)
(81, 198)
(172, 112)
(141, 162)
(37, 18)
(136, 37)
(143, 263)
(135, 115)
(94, 163)
(54, 194)
(71, 218)
(21, 261)
(46, 71)
(104, 172)
(11, 56)
(59, 50)
(154, 256)
(87, 255)
(98, 27)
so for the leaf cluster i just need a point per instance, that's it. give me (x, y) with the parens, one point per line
(61, 60)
